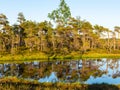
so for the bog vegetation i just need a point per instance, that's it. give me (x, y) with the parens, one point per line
(20, 84)
(62, 35)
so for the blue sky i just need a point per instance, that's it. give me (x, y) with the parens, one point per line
(102, 12)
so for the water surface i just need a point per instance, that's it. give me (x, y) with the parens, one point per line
(84, 71)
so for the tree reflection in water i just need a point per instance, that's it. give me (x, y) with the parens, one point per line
(65, 71)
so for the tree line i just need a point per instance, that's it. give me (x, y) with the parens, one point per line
(70, 34)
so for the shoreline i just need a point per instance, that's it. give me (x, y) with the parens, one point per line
(43, 57)
(15, 82)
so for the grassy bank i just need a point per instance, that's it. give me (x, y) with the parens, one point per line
(23, 57)
(42, 56)
(13, 83)
(97, 55)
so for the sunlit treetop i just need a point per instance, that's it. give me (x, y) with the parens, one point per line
(61, 15)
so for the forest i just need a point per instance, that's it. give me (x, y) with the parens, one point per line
(61, 35)
(61, 53)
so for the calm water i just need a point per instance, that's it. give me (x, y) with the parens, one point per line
(84, 71)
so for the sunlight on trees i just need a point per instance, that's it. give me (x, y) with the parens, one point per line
(70, 35)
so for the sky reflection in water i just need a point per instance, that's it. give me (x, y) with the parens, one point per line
(84, 71)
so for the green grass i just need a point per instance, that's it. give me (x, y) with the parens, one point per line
(24, 57)
(43, 57)
(97, 55)
(90, 55)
